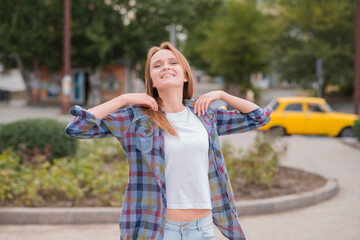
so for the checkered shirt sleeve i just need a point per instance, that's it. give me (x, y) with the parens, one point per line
(85, 125)
(230, 122)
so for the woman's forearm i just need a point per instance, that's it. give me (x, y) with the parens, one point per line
(244, 106)
(108, 107)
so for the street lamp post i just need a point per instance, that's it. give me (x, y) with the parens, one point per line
(66, 81)
(172, 35)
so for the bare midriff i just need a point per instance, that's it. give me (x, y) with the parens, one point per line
(185, 215)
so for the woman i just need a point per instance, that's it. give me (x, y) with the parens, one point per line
(178, 184)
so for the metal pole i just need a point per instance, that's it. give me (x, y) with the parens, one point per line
(320, 76)
(66, 81)
(172, 35)
(357, 59)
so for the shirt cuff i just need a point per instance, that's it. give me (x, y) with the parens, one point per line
(260, 115)
(78, 111)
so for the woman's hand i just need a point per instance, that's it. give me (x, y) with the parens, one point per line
(203, 102)
(141, 99)
(108, 107)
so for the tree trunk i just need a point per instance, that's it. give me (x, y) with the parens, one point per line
(24, 75)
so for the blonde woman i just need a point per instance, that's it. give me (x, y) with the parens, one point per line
(178, 184)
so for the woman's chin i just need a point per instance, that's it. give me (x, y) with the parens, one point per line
(170, 84)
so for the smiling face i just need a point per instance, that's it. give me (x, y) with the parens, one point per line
(166, 70)
(167, 59)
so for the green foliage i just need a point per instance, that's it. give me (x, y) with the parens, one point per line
(97, 33)
(237, 42)
(31, 29)
(258, 164)
(151, 24)
(98, 174)
(316, 29)
(38, 136)
(357, 129)
(86, 177)
(103, 32)
(346, 90)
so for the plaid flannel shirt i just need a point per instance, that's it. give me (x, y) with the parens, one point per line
(143, 213)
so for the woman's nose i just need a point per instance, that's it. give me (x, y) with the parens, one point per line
(165, 67)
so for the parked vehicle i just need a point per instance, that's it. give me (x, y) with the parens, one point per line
(310, 116)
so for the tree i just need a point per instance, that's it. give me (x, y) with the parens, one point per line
(102, 31)
(30, 29)
(236, 43)
(316, 29)
(30, 36)
(153, 17)
(206, 12)
(97, 34)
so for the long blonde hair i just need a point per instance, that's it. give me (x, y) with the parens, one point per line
(158, 117)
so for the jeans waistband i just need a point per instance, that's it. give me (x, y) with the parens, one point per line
(190, 225)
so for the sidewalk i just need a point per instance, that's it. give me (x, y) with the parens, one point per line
(17, 110)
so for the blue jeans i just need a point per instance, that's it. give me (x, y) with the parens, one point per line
(194, 230)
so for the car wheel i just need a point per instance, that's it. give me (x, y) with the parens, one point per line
(277, 131)
(347, 132)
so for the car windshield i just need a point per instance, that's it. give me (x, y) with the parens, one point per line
(328, 107)
(273, 104)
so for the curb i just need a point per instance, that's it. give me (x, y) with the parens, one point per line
(91, 215)
(88, 215)
(288, 202)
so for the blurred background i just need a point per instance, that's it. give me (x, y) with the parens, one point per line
(89, 51)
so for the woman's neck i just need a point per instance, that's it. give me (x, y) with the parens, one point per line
(172, 102)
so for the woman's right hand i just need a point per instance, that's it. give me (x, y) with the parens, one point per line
(141, 99)
(108, 107)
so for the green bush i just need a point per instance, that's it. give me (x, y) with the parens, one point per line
(346, 90)
(258, 164)
(93, 177)
(357, 129)
(34, 136)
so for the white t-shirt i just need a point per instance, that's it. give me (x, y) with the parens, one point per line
(187, 163)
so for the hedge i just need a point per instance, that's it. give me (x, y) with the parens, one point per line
(46, 136)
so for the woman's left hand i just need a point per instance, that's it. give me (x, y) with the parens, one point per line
(203, 102)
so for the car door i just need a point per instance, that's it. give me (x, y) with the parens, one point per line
(294, 118)
(316, 122)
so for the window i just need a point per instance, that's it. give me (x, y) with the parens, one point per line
(328, 107)
(315, 108)
(294, 107)
(275, 106)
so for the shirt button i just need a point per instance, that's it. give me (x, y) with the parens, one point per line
(144, 133)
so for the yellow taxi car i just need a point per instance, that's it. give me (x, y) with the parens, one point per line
(308, 115)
